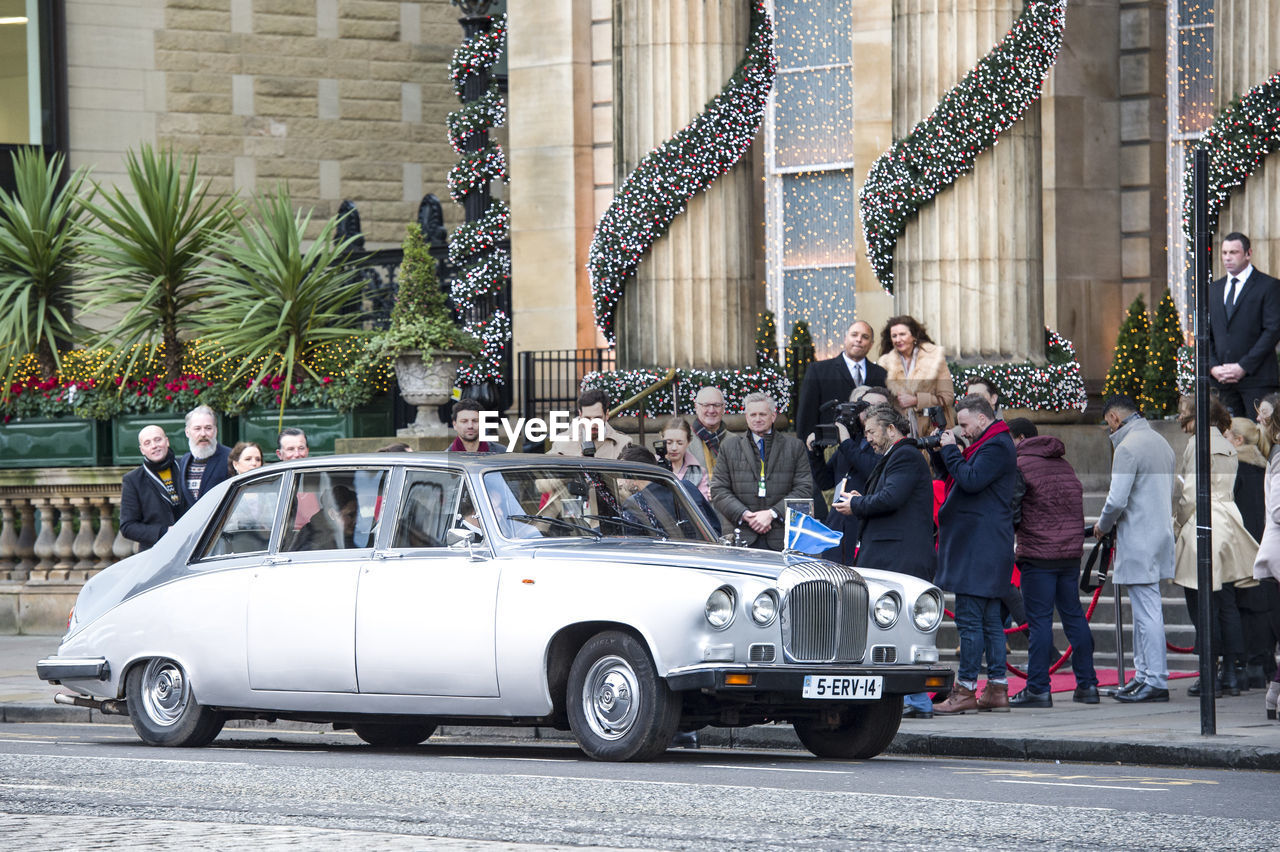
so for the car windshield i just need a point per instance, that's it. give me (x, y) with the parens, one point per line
(580, 502)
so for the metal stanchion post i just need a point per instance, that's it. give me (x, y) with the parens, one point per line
(1120, 673)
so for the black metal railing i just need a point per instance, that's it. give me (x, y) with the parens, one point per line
(550, 378)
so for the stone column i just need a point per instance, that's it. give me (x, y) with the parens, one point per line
(106, 532)
(695, 297)
(1247, 52)
(82, 546)
(970, 264)
(8, 542)
(44, 543)
(26, 539)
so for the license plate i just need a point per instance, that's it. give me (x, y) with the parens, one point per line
(865, 688)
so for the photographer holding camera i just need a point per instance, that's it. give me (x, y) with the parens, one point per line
(975, 549)
(847, 467)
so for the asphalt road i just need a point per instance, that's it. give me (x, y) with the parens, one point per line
(97, 786)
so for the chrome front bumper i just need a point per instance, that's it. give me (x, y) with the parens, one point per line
(58, 669)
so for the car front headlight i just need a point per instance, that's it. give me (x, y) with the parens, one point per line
(927, 611)
(764, 609)
(886, 610)
(720, 607)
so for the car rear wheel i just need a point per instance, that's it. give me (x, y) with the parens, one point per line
(394, 735)
(163, 708)
(864, 730)
(619, 709)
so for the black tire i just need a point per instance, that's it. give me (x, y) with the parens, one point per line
(163, 706)
(398, 736)
(864, 731)
(619, 709)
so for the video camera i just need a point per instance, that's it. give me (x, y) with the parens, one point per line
(842, 413)
(938, 417)
(660, 451)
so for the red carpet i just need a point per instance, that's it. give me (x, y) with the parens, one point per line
(1064, 681)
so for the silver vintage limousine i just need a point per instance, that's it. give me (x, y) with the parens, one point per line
(392, 593)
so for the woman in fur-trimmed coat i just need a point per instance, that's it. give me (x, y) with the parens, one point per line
(917, 372)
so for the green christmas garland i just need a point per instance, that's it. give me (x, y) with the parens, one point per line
(483, 267)
(1240, 138)
(656, 192)
(734, 384)
(1055, 386)
(966, 122)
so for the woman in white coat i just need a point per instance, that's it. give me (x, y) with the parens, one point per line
(1234, 549)
(1266, 568)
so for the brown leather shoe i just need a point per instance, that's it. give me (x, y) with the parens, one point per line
(995, 696)
(960, 700)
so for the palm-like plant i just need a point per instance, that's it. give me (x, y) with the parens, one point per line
(147, 254)
(274, 303)
(39, 243)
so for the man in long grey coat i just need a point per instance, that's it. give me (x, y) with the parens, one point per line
(1139, 508)
(757, 473)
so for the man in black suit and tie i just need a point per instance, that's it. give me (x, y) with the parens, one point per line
(835, 378)
(1244, 327)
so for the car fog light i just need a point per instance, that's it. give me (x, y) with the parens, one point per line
(764, 609)
(720, 608)
(886, 611)
(927, 611)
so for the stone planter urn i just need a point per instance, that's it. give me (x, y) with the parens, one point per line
(426, 383)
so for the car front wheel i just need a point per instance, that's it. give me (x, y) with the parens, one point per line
(395, 736)
(864, 730)
(164, 710)
(619, 709)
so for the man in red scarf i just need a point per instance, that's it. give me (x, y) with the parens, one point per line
(975, 550)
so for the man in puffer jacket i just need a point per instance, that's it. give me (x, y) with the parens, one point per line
(1048, 551)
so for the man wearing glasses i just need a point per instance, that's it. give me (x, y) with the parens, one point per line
(708, 430)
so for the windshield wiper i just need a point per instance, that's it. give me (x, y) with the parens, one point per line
(626, 522)
(557, 522)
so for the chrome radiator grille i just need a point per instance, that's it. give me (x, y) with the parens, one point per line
(824, 613)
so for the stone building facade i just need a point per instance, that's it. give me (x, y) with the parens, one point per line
(343, 100)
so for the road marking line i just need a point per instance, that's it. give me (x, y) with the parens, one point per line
(143, 759)
(776, 769)
(489, 758)
(1090, 786)
(39, 742)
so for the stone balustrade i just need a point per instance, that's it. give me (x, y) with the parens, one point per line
(58, 527)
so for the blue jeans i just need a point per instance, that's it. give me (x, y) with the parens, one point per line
(918, 700)
(1044, 585)
(981, 631)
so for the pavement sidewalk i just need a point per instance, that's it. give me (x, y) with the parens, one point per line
(1152, 734)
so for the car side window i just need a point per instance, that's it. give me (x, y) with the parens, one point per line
(334, 510)
(247, 525)
(434, 501)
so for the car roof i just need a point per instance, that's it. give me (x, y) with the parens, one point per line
(472, 462)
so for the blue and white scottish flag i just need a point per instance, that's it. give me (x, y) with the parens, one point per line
(808, 535)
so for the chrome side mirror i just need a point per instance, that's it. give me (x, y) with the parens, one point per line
(458, 537)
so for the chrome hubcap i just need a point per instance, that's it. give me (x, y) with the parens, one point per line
(165, 692)
(610, 698)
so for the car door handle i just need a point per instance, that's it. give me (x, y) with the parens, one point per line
(276, 560)
(387, 554)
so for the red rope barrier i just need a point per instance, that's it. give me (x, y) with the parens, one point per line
(1066, 655)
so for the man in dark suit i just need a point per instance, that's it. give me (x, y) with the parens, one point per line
(895, 515)
(206, 464)
(835, 378)
(757, 473)
(1244, 327)
(150, 497)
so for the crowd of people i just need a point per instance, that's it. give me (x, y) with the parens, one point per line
(946, 490)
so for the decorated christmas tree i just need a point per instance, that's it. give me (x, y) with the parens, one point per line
(766, 340)
(1160, 377)
(799, 357)
(1125, 375)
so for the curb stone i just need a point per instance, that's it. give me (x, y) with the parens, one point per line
(1218, 755)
